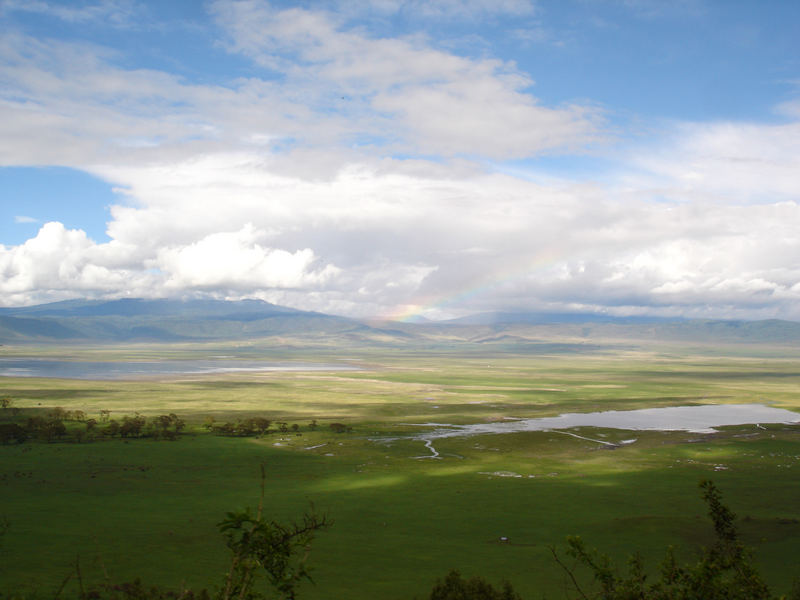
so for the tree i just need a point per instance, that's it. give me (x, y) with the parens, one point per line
(279, 550)
(11, 432)
(167, 426)
(132, 426)
(453, 587)
(54, 429)
(725, 570)
(112, 429)
(59, 414)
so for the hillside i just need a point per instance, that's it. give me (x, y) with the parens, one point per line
(161, 320)
(165, 320)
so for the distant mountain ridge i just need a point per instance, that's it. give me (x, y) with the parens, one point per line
(138, 319)
(143, 306)
(170, 320)
(540, 318)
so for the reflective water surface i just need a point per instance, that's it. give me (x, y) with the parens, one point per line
(700, 419)
(65, 369)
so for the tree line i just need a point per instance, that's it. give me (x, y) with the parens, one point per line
(59, 425)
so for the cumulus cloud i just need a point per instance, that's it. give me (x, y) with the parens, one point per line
(373, 239)
(353, 174)
(236, 260)
(61, 262)
(449, 241)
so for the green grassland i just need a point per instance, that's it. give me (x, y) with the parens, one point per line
(144, 508)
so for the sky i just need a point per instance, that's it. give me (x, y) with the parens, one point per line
(404, 158)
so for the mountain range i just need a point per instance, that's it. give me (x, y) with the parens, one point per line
(168, 320)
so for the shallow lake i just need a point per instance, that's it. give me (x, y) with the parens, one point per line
(66, 369)
(700, 419)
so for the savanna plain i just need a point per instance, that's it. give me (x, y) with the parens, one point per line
(404, 511)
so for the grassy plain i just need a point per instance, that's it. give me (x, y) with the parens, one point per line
(148, 509)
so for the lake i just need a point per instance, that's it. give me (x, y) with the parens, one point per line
(699, 419)
(67, 369)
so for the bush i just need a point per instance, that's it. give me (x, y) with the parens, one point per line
(453, 587)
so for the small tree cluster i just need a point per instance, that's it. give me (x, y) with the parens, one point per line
(454, 587)
(12, 433)
(249, 427)
(59, 425)
(46, 429)
(167, 426)
(243, 427)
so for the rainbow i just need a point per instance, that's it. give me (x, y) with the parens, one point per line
(495, 280)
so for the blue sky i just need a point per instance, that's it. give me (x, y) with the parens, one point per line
(33, 196)
(401, 157)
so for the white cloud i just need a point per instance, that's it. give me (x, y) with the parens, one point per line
(446, 104)
(449, 9)
(732, 162)
(23, 219)
(237, 260)
(380, 238)
(114, 12)
(286, 185)
(60, 262)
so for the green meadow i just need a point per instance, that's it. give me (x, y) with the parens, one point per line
(131, 508)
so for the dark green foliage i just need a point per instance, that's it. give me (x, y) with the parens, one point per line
(279, 550)
(166, 426)
(453, 587)
(725, 570)
(59, 425)
(52, 430)
(249, 427)
(111, 429)
(11, 433)
(4, 526)
(59, 414)
(132, 426)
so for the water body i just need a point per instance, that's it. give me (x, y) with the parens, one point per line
(65, 369)
(699, 419)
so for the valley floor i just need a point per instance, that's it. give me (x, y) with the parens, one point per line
(405, 510)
